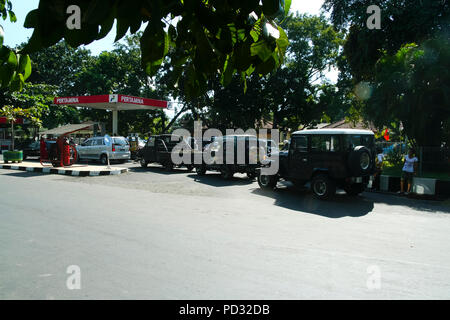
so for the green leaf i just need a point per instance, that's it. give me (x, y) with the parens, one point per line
(17, 82)
(2, 36)
(122, 28)
(6, 75)
(34, 44)
(12, 17)
(25, 66)
(106, 27)
(287, 6)
(12, 59)
(250, 70)
(267, 66)
(154, 46)
(32, 19)
(282, 41)
(261, 49)
(228, 70)
(272, 8)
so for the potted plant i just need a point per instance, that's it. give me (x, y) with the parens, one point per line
(11, 114)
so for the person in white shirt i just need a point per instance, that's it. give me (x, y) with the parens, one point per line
(409, 171)
(378, 169)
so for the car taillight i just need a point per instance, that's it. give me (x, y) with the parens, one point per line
(113, 148)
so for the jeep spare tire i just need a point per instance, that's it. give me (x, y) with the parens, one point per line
(359, 161)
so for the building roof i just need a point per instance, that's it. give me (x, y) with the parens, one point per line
(345, 124)
(69, 128)
(334, 131)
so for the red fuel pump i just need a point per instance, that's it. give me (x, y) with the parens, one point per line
(60, 154)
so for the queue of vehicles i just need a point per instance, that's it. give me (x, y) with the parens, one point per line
(324, 158)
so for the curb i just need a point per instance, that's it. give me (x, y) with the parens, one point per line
(65, 172)
(414, 196)
(427, 186)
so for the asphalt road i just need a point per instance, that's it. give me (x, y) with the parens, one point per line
(149, 234)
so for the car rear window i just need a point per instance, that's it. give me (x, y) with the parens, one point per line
(352, 141)
(325, 143)
(120, 141)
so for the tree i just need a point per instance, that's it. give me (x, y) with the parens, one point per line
(119, 72)
(15, 68)
(12, 113)
(402, 22)
(293, 96)
(208, 36)
(314, 49)
(60, 65)
(39, 97)
(413, 87)
(398, 72)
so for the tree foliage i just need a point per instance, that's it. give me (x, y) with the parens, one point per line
(207, 36)
(399, 73)
(402, 22)
(15, 68)
(413, 86)
(295, 95)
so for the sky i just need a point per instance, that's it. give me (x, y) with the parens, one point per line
(16, 33)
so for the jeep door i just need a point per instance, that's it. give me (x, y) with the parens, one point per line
(300, 167)
(161, 150)
(149, 150)
(326, 154)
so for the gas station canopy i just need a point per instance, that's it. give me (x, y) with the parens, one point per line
(113, 102)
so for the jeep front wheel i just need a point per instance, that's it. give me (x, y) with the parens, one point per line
(143, 163)
(267, 182)
(323, 187)
(168, 166)
(201, 171)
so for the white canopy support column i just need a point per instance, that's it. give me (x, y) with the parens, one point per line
(115, 121)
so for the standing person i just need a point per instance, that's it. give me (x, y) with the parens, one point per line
(409, 170)
(378, 169)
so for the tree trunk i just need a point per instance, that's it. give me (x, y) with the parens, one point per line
(174, 119)
(12, 135)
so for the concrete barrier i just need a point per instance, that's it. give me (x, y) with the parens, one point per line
(424, 186)
(420, 186)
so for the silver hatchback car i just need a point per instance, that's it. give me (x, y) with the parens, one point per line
(99, 148)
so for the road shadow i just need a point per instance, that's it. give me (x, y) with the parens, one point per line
(303, 201)
(24, 174)
(158, 170)
(214, 179)
(431, 206)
